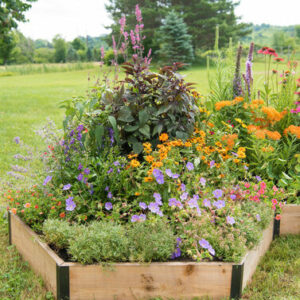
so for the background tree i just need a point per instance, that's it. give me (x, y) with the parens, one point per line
(7, 44)
(176, 42)
(71, 54)
(60, 48)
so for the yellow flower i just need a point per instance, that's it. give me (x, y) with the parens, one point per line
(149, 158)
(148, 179)
(131, 156)
(236, 160)
(137, 193)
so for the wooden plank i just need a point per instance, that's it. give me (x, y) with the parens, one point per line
(40, 257)
(130, 281)
(290, 219)
(252, 258)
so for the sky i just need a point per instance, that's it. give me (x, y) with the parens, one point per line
(71, 18)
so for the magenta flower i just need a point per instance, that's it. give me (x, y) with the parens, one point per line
(138, 13)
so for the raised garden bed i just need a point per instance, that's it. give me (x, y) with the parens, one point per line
(290, 219)
(178, 280)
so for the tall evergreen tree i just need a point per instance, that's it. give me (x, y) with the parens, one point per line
(176, 42)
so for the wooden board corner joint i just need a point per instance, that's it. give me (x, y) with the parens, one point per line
(62, 282)
(237, 281)
(276, 228)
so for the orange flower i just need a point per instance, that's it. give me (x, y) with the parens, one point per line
(131, 156)
(27, 205)
(62, 215)
(134, 163)
(272, 114)
(148, 179)
(221, 104)
(293, 130)
(14, 210)
(278, 217)
(163, 137)
(149, 158)
(157, 164)
(273, 135)
(137, 193)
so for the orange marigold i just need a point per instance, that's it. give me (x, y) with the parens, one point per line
(163, 137)
(149, 158)
(134, 163)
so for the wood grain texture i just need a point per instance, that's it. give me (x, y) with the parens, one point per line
(40, 257)
(130, 281)
(252, 258)
(290, 219)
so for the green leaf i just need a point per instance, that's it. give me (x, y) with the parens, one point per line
(163, 109)
(125, 114)
(143, 117)
(287, 176)
(99, 132)
(297, 168)
(157, 129)
(131, 128)
(145, 131)
(80, 107)
(113, 123)
(137, 147)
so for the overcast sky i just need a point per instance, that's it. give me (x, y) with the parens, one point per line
(71, 18)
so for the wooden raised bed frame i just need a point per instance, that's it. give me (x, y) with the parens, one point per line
(126, 281)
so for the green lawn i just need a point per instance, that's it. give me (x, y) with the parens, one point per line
(25, 104)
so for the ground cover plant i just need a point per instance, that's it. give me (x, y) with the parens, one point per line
(144, 154)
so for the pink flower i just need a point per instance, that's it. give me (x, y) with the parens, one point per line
(263, 185)
(132, 37)
(138, 13)
(274, 201)
(122, 23)
(275, 189)
(102, 52)
(247, 185)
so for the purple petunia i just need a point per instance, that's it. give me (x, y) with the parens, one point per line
(70, 204)
(219, 204)
(218, 193)
(80, 177)
(86, 171)
(202, 181)
(190, 166)
(206, 203)
(184, 196)
(230, 220)
(108, 206)
(175, 202)
(67, 187)
(206, 245)
(80, 166)
(47, 179)
(143, 205)
(157, 198)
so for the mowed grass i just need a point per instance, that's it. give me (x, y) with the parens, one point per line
(25, 104)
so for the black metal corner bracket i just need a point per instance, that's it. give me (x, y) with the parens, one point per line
(237, 281)
(62, 282)
(276, 228)
(9, 227)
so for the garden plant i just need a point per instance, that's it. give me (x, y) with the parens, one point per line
(147, 169)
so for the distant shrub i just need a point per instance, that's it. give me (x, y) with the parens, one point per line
(109, 57)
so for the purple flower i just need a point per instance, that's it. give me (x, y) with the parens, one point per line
(71, 133)
(47, 179)
(160, 179)
(233, 196)
(67, 187)
(85, 180)
(184, 196)
(157, 172)
(190, 166)
(204, 244)
(80, 177)
(258, 218)
(246, 168)
(110, 170)
(157, 198)
(86, 171)
(258, 178)
(72, 141)
(206, 203)
(143, 217)
(211, 250)
(219, 204)
(108, 206)
(175, 202)
(70, 205)
(182, 187)
(202, 181)
(230, 220)
(169, 172)
(176, 253)
(79, 137)
(80, 166)
(193, 203)
(109, 195)
(135, 218)
(218, 193)
(106, 188)
(80, 128)
(153, 207)
(116, 163)
(143, 205)
(212, 163)
(17, 140)
(111, 135)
